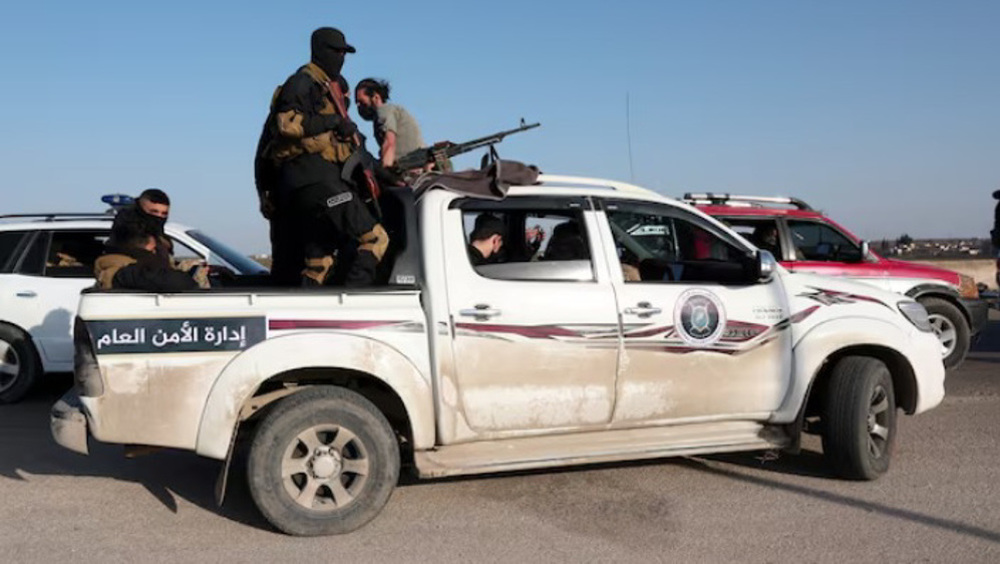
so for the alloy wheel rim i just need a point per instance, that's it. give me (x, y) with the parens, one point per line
(325, 468)
(878, 422)
(10, 366)
(946, 333)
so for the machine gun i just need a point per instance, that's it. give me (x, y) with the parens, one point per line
(440, 152)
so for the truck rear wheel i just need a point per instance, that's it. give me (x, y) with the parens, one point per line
(951, 328)
(859, 418)
(324, 461)
(19, 364)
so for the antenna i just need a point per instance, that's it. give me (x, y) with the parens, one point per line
(628, 137)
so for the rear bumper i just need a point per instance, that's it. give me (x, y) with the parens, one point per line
(979, 312)
(69, 424)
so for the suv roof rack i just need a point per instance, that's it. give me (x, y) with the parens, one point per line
(732, 199)
(57, 216)
(583, 182)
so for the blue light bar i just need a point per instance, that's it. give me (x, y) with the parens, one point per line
(117, 200)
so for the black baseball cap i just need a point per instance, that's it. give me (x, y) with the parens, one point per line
(331, 37)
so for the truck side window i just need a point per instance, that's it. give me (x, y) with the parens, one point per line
(533, 244)
(665, 247)
(763, 233)
(72, 253)
(32, 263)
(183, 252)
(9, 242)
(819, 242)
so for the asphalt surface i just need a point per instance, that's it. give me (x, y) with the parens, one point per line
(940, 502)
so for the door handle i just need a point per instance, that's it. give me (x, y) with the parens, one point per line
(26, 294)
(643, 309)
(481, 312)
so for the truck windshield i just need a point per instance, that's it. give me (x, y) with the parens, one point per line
(243, 264)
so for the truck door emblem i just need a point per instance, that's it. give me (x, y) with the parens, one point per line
(699, 317)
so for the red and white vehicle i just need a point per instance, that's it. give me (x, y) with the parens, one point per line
(805, 240)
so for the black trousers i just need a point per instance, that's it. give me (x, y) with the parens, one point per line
(320, 217)
(287, 252)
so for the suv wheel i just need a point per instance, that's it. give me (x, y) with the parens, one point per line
(859, 418)
(951, 328)
(19, 365)
(324, 461)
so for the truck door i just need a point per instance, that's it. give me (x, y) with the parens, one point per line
(534, 328)
(703, 338)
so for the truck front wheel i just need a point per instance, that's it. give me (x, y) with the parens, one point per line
(859, 418)
(324, 461)
(951, 328)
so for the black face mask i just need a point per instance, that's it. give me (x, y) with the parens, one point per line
(329, 59)
(156, 224)
(367, 112)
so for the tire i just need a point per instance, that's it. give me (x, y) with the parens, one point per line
(345, 475)
(859, 427)
(19, 364)
(948, 322)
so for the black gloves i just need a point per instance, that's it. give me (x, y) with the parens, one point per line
(342, 128)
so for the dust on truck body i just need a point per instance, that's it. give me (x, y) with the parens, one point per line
(638, 327)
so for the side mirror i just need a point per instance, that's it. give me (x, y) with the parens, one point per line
(766, 266)
(866, 251)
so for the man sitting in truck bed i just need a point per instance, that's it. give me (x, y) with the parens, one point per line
(131, 263)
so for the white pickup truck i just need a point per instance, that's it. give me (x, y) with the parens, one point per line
(640, 328)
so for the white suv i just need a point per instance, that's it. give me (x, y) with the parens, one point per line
(45, 261)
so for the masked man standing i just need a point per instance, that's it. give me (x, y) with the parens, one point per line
(308, 143)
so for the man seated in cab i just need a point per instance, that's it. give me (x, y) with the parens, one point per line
(131, 262)
(486, 239)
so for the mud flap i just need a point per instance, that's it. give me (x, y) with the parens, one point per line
(223, 479)
(68, 424)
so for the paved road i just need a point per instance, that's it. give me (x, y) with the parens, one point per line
(939, 503)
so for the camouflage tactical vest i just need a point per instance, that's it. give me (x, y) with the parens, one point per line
(325, 144)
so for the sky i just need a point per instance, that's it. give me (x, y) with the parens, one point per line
(885, 115)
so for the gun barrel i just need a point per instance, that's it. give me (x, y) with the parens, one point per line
(426, 154)
(459, 148)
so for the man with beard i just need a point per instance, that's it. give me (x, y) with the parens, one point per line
(396, 132)
(307, 143)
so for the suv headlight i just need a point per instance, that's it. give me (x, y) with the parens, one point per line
(917, 315)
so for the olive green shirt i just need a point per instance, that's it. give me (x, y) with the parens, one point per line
(396, 119)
